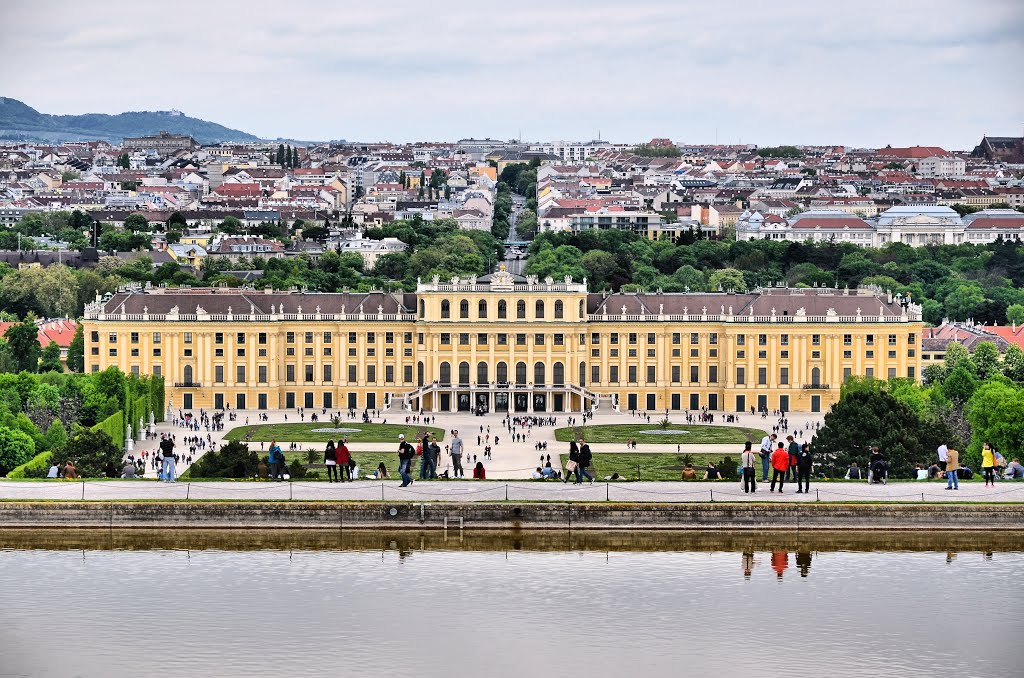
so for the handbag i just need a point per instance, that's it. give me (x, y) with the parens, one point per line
(571, 465)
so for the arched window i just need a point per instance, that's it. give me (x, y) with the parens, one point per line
(188, 374)
(538, 374)
(559, 309)
(423, 308)
(481, 373)
(419, 374)
(539, 307)
(481, 310)
(463, 373)
(558, 374)
(583, 374)
(815, 376)
(502, 373)
(446, 373)
(521, 374)
(521, 309)
(464, 309)
(502, 310)
(446, 309)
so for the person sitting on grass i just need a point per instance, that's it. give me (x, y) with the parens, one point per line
(479, 473)
(712, 473)
(689, 473)
(1014, 470)
(853, 473)
(381, 473)
(549, 472)
(537, 474)
(70, 472)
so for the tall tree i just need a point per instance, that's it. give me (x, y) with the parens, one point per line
(50, 358)
(280, 155)
(76, 351)
(23, 340)
(295, 157)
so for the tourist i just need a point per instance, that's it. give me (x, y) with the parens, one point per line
(794, 452)
(478, 471)
(853, 473)
(405, 454)
(1014, 470)
(804, 465)
(425, 454)
(689, 473)
(586, 459)
(878, 470)
(952, 466)
(345, 461)
(780, 466)
(261, 469)
(128, 471)
(435, 455)
(943, 452)
(573, 465)
(456, 453)
(382, 472)
(1000, 463)
(712, 473)
(988, 464)
(549, 472)
(766, 453)
(537, 474)
(54, 471)
(167, 449)
(747, 463)
(70, 472)
(331, 461)
(276, 457)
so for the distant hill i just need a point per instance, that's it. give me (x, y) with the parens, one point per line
(21, 122)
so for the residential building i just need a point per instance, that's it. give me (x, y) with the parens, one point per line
(942, 166)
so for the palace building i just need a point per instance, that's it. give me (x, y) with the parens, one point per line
(505, 343)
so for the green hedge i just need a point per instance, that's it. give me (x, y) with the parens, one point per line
(114, 427)
(32, 467)
(156, 397)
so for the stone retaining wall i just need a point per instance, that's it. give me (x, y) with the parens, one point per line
(511, 516)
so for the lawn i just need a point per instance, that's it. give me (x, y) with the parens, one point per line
(367, 462)
(653, 466)
(303, 432)
(698, 433)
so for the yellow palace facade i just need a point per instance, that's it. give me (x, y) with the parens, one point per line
(503, 343)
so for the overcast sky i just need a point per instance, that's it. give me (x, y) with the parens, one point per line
(868, 73)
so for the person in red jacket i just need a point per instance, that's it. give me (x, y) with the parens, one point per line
(478, 471)
(343, 456)
(780, 464)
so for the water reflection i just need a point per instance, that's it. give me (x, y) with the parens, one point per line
(423, 603)
(407, 542)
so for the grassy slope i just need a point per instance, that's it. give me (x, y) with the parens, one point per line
(302, 432)
(652, 466)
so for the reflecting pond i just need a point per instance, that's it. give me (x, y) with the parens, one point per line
(237, 603)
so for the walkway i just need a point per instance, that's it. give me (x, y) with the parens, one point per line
(509, 460)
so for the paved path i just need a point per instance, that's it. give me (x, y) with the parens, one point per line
(509, 460)
(366, 490)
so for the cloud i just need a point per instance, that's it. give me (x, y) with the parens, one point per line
(862, 74)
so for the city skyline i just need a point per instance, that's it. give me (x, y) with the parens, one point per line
(904, 76)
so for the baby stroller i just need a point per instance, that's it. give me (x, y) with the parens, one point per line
(879, 472)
